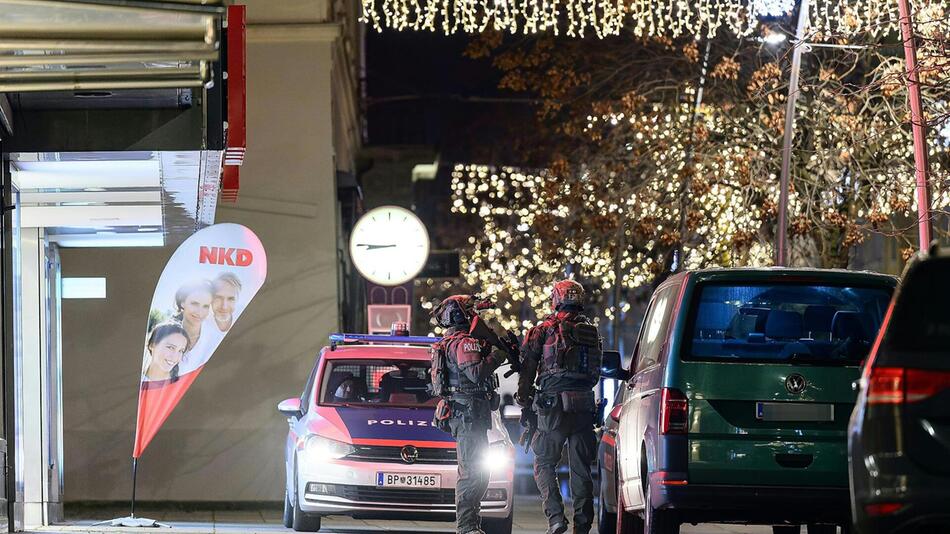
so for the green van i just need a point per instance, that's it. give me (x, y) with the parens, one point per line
(736, 405)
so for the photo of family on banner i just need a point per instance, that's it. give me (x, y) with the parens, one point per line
(205, 287)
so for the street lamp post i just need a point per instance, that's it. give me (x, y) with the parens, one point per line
(918, 125)
(781, 234)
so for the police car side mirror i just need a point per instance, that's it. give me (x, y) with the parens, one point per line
(611, 366)
(290, 407)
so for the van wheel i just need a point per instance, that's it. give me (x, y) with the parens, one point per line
(498, 526)
(658, 521)
(786, 529)
(288, 511)
(627, 523)
(302, 521)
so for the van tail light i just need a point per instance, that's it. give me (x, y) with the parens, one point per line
(674, 408)
(615, 413)
(896, 385)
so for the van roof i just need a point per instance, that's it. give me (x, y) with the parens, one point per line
(791, 274)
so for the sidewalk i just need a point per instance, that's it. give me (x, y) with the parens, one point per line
(528, 520)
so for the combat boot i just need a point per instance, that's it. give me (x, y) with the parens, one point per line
(557, 528)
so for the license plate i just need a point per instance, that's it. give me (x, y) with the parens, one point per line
(408, 480)
(794, 411)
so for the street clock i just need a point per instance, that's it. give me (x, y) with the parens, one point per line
(389, 245)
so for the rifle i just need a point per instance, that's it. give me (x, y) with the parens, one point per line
(508, 343)
(529, 420)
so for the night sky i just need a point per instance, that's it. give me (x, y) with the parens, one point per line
(424, 91)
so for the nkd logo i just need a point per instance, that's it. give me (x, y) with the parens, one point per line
(238, 257)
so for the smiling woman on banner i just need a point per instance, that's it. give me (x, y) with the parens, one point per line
(193, 303)
(166, 346)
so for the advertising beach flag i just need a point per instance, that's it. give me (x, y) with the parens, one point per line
(202, 292)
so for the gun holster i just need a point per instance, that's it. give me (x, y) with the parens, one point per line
(443, 413)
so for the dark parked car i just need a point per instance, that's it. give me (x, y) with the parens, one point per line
(737, 403)
(900, 431)
(607, 462)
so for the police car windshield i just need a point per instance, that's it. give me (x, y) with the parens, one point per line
(402, 383)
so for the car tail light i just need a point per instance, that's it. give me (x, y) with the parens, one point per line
(674, 408)
(925, 384)
(615, 413)
(886, 386)
(883, 508)
(896, 385)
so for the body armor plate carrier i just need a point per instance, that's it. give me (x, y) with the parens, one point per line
(445, 377)
(573, 350)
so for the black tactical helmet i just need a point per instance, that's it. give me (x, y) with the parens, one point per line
(456, 310)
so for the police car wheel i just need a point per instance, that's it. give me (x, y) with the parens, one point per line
(288, 511)
(303, 522)
(606, 521)
(498, 526)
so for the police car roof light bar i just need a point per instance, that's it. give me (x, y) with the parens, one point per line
(339, 339)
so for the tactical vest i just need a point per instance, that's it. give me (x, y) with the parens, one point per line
(572, 349)
(445, 376)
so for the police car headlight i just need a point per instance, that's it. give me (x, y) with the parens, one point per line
(499, 456)
(319, 449)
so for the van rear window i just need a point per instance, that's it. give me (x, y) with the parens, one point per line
(785, 323)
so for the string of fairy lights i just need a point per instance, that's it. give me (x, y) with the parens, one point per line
(645, 18)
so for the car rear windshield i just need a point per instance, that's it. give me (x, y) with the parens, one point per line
(376, 383)
(788, 323)
(921, 318)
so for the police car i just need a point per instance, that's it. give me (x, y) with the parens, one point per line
(362, 444)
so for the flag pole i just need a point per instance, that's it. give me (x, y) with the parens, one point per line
(135, 470)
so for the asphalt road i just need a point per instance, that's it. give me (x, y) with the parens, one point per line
(528, 520)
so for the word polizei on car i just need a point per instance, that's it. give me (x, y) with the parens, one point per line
(362, 444)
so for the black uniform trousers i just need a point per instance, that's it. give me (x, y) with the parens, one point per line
(469, 426)
(576, 430)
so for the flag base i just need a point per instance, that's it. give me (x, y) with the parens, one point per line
(136, 522)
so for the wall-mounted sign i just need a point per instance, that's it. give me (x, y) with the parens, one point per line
(389, 245)
(382, 316)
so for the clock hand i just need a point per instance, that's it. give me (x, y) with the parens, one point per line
(374, 247)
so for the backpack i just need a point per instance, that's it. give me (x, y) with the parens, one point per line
(439, 371)
(575, 351)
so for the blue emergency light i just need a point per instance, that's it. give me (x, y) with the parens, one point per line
(340, 339)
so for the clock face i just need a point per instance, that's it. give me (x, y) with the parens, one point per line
(389, 245)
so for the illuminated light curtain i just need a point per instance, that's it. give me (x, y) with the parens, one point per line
(652, 18)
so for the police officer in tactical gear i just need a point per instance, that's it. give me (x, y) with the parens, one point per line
(562, 357)
(463, 375)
